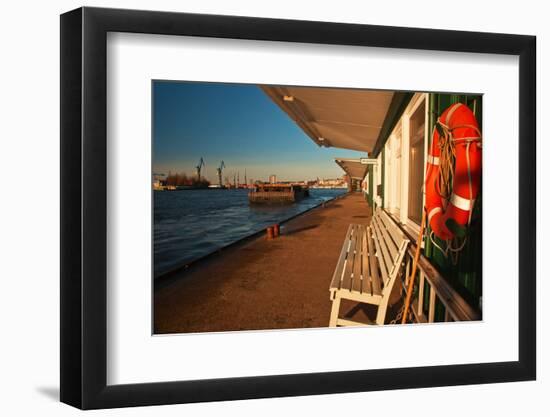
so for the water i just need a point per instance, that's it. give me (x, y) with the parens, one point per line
(192, 223)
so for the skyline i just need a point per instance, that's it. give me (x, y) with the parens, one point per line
(236, 123)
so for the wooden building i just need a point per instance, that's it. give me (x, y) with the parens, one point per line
(394, 131)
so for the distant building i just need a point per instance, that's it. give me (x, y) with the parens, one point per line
(331, 183)
(273, 179)
(159, 181)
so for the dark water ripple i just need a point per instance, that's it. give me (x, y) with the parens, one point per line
(192, 223)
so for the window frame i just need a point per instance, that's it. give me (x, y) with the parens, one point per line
(401, 211)
(417, 100)
(392, 199)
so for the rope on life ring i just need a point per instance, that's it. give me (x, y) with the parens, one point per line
(453, 175)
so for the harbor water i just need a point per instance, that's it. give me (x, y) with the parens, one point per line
(191, 224)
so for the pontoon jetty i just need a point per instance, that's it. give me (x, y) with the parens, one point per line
(277, 193)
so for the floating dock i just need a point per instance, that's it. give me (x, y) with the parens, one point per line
(277, 193)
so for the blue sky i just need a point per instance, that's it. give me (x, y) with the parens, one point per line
(235, 123)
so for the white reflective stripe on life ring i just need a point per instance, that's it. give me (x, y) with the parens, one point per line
(451, 111)
(434, 160)
(461, 202)
(433, 212)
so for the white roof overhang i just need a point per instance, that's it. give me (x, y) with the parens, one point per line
(338, 117)
(355, 168)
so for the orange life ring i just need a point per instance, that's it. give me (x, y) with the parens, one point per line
(461, 126)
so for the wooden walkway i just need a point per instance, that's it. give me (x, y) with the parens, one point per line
(261, 284)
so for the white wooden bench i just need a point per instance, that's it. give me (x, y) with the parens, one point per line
(370, 261)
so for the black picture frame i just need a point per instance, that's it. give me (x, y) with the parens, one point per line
(84, 207)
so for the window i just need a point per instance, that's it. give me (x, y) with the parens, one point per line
(396, 197)
(416, 163)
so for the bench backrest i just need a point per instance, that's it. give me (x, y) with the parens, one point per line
(371, 256)
(391, 244)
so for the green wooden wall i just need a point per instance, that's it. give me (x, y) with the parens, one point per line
(466, 274)
(370, 192)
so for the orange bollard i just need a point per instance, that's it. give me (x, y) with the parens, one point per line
(276, 230)
(269, 231)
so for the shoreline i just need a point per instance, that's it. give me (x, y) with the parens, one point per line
(187, 265)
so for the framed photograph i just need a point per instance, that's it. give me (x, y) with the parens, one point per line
(258, 208)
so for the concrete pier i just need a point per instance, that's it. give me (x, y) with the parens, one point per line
(263, 284)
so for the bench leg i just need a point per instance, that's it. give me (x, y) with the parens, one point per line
(381, 314)
(334, 312)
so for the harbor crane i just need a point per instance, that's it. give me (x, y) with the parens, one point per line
(220, 169)
(199, 167)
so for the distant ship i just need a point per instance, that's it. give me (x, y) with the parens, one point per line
(277, 193)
